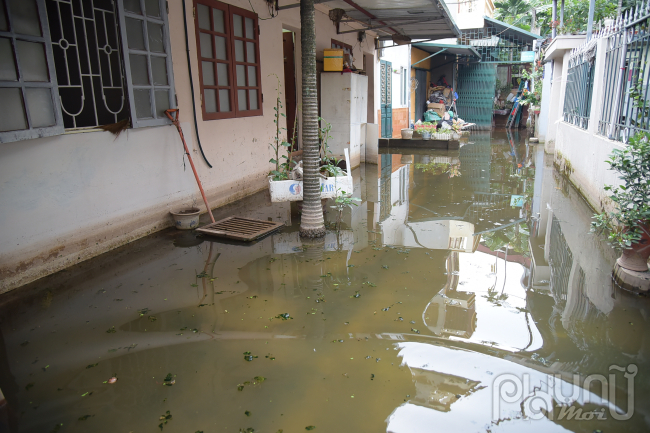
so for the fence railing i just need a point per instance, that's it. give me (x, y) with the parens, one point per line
(580, 84)
(626, 108)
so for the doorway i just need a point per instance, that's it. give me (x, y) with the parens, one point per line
(369, 68)
(420, 93)
(290, 103)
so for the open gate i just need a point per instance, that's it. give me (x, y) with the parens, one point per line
(476, 89)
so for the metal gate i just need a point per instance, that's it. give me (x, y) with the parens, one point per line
(385, 80)
(476, 88)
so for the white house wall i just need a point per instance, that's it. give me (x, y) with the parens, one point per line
(71, 197)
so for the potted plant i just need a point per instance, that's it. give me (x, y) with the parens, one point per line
(628, 226)
(426, 129)
(282, 184)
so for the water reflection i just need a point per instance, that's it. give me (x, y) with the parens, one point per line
(455, 268)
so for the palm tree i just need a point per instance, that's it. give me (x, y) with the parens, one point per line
(312, 224)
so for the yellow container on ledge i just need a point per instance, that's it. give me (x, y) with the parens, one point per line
(333, 59)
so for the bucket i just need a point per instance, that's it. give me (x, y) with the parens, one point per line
(407, 134)
(426, 135)
(186, 219)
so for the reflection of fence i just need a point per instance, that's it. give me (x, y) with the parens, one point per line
(580, 83)
(626, 107)
(385, 204)
(561, 260)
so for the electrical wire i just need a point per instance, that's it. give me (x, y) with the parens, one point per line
(189, 67)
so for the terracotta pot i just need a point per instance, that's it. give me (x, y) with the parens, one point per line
(636, 257)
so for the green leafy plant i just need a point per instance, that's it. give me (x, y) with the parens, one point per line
(632, 198)
(283, 163)
(329, 164)
(343, 200)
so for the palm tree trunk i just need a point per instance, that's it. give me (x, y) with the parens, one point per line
(311, 222)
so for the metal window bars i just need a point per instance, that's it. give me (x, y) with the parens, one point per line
(579, 87)
(626, 109)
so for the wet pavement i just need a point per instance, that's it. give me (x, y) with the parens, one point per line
(458, 285)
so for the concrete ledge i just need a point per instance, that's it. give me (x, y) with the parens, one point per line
(429, 144)
(638, 282)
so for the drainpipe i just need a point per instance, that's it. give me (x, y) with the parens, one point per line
(554, 31)
(562, 14)
(627, 38)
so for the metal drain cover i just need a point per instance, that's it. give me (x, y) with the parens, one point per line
(243, 229)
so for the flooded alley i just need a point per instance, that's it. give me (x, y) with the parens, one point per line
(462, 294)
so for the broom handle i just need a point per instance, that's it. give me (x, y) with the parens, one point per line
(174, 120)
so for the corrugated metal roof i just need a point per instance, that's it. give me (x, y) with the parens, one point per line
(510, 30)
(417, 19)
(461, 50)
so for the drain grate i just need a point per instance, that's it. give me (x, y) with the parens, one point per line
(243, 229)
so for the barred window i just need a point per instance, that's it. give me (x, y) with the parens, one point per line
(227, 39)
(82, 64)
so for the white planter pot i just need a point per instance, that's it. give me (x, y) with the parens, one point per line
(291, 190)
(426, 135)
(186, 219)
(407, 134)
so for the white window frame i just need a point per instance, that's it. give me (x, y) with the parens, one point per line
(31, 132)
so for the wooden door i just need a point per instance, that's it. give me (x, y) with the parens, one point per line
(385, 80)
(290, 84)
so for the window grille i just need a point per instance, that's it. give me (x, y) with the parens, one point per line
(30, 102)
(579, 89)
(493, 47)
(85, 45)
(227, 38)
(626, 91)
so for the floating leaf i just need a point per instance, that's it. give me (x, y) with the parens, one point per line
(169, 380)
(143, 311)
(152, 318)
(28, 386)
(84, 418)
(260, 379)
(310, 427)
(111, 330)
(247, 413)
(92, 365)
(284, 316)
(24, 343)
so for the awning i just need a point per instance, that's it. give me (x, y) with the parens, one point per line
(396, 19)
(460, 50)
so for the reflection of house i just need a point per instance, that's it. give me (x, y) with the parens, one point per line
(451, 312)
(439, 390)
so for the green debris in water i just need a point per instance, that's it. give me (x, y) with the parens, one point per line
(249, 357)
(248, 413)
(248, 430)
(165, 419)
(24, 343)
(28, 386)
(372, 376)
(271, 357)
(310, 427)
(384, 266)
(92, 365)
(184, 328)
(284, 316)
(259, 379)
(202, 275)
(169, 380)
(152, 318)
(415, 330)
(356, 294)
(111, 330)
(84, 418)
(240, 387)
(57, 428)
(143, 311)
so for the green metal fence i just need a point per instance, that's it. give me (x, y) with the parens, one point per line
(626, 108)
(579, 87)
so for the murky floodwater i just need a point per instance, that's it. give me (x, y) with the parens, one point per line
(461, 276)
